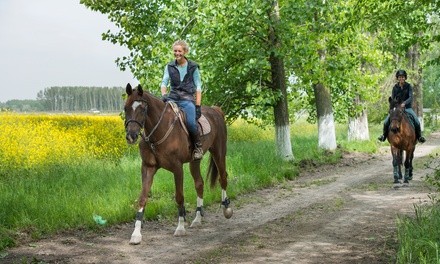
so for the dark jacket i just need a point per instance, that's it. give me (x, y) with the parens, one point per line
(182, 90)
(405, 94)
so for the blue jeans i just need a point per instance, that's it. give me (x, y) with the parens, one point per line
(190, 110)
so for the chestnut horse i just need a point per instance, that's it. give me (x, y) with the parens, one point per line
(402, 137)
(166, 144)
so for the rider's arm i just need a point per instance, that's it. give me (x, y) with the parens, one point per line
(165, 80)
(408, 102)
(198, 83)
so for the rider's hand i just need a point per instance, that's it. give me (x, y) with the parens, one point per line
(198, 112)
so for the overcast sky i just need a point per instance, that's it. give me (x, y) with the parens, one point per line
(49, 43)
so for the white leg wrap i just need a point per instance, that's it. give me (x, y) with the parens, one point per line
(224, 195)
(199, 202)
(198, 220)
(180, 230)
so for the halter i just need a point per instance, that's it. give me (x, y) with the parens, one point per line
(142, 126)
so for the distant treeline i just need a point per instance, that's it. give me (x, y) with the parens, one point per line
(71, 99)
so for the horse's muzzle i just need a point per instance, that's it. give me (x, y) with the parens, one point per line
(131, 137)
(395, 129)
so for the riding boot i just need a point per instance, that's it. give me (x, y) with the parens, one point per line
(384, 135)
(198, 151)
(419, 136)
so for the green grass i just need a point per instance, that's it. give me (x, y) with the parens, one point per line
(63, 197)
(419, 237)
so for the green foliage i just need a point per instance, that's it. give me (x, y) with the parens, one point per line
(81, 99)
(7, 238)
(419, 237)
(234, 51)
(22, 106)
(70, 99)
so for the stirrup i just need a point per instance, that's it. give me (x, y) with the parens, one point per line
(382, 138)
(421, 139)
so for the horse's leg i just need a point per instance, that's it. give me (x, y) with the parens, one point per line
(147, 181)
(396, 164)
(194, 167)
(178, 181)
(400, 164)
(408, 165)
(220, 162)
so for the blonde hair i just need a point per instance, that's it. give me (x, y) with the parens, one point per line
(183, 44)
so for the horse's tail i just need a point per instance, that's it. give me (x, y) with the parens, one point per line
(212, 172)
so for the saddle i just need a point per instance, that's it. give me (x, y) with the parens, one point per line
(203, 124)
(410, 119)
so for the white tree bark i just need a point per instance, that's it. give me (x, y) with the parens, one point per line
(284, 146)
(358, 128)
(326, 132)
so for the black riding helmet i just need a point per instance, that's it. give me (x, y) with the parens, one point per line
(401, 73)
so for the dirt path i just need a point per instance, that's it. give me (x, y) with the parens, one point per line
(344, 213)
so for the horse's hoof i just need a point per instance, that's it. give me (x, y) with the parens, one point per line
(228, 212)
(135, 240)
(196, 223)
(180, 232)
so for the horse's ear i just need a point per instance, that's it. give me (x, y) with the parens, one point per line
(140, 91)
(128, 89)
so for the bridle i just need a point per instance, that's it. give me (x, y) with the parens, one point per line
(397, 116)
(142, 125)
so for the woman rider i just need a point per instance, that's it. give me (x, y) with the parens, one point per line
(185, 82)
(403, 90)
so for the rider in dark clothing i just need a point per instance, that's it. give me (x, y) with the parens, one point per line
(404, 91)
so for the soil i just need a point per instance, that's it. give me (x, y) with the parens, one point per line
(340, 213)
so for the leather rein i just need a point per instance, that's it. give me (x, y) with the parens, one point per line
(146, 138)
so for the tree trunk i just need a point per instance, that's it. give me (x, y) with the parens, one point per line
(358, 126)
(281, 113)
(326, 124)
(413, 56)
(278, 85)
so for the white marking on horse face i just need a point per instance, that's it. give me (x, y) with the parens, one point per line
(135, 105)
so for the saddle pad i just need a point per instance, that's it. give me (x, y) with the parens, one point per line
(204, 126)
(410, 119)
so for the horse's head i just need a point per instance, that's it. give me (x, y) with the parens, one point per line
(135, 113)
(396, 113)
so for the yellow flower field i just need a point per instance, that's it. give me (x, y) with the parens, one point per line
(32, 140)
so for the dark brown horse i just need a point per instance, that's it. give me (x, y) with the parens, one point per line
(166, 144)
(402, 137)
